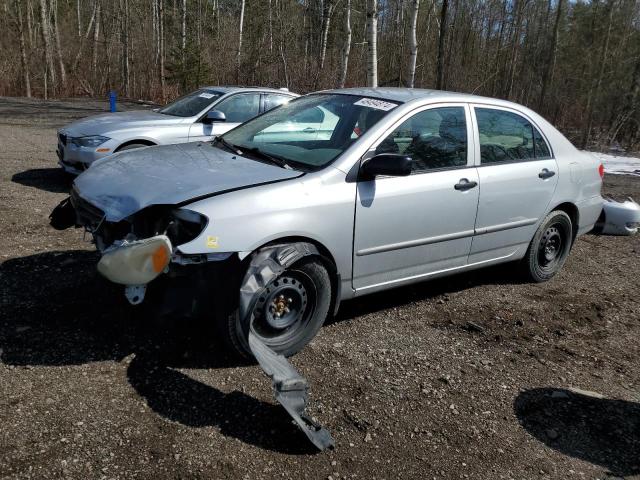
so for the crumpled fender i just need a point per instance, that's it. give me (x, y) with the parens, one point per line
(290, 388)
(619, 218)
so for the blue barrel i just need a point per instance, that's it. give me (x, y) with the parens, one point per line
(112, 101)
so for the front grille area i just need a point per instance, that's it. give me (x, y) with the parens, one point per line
(87, 215)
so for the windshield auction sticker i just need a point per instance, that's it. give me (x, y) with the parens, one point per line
(374, 103)
(206, 95)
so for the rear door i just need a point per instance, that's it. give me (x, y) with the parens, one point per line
(518, 176)
(410, 227)
(238, 108)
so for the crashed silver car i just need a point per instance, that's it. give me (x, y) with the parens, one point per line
(332, 196)
(198, 116)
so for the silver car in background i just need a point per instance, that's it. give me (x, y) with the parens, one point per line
(270, 226)
(201, 115)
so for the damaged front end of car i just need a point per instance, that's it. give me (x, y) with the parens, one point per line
(143, 249)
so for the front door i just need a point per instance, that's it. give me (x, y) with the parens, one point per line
(237, 109)
(411, 227)
(518, 177)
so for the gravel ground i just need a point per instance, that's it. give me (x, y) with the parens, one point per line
(475, 376)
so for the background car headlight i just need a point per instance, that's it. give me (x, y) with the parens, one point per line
(91, 141)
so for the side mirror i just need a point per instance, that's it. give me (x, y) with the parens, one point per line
(388, 164)
(214, 116)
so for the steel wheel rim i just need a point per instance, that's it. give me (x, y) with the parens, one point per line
(551, 247)
(284, 308)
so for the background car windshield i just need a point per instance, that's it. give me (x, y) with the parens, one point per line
(311, 131)
(192, 104)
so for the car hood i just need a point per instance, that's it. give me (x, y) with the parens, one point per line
(101, 124)
(129, 181)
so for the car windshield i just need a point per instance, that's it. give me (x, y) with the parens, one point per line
(192, 104)
(309, 132)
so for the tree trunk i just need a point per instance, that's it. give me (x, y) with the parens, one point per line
(441, 43)
(596, 89)
(239, 52)
(125, 47)
(46, 40)
(551, 63)
(23, 51)
(163, 91)
(346, 48)
(63, 71)
(79, 18)
(183, 32)
(413, 44)
(96, 38)
(326, 20)
(372, 43)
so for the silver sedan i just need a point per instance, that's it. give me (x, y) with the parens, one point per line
(201, 115)
(333, 196)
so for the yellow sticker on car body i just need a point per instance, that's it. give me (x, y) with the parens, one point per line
(212, 242)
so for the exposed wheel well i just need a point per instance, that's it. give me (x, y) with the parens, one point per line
(131, 142)
(326, 258)
(571, 210)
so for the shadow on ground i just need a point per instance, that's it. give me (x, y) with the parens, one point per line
(56, 310)
(601, 431)
(53, 180)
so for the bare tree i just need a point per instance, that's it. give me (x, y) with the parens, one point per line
(238, 54)
(372, 43)
(183, 32)
(413, 44)
(326, 20)
(49, 72)
(96, 37)
(161, 72)
(23, 51)
(596, 88)
(346, 48)
(63, 72)
(551, 63)
(441, 43)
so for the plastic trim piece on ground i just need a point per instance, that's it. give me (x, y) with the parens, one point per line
(619, 218)
(290, 388)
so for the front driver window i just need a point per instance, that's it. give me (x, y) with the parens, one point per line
(434, 138)
(240, 108)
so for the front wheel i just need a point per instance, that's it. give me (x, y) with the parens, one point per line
(549, 247)
(288, 313)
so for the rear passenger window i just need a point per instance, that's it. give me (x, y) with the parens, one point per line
(508, 137)
(434, 138)
(272, 101)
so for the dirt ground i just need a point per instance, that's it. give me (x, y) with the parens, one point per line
(475, 376)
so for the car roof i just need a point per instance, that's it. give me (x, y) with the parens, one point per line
(232, 88)
(404, 95)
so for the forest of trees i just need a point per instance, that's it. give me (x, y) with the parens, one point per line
(577, 62)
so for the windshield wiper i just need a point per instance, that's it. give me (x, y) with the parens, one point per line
(227, 145)
(281, 162)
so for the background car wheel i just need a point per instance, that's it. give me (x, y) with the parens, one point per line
(549, 247)
(132, 146)
(289, 313)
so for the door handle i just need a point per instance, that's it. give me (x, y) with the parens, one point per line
(546, 173)
(465, 184)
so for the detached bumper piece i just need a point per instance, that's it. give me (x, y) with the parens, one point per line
(619, 218)
(290, 389)
(63, 216)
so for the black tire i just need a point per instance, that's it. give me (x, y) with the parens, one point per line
(549, 247)
(132, 146)
(305, 290)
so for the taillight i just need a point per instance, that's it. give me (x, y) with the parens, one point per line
(601, 170)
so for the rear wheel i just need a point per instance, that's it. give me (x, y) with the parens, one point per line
(549, 247)
(289, 311)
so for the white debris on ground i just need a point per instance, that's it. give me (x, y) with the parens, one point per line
(619, 165)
